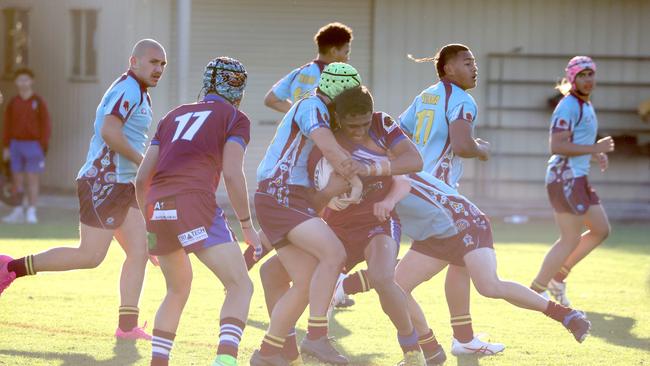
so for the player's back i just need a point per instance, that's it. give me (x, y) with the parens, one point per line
(427, 121)
(191, 140)
(299, 81)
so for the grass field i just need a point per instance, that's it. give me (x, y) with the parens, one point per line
(69, 318)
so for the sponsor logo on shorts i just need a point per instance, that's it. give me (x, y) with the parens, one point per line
(468, 240)
(193, 236)
(164, 215)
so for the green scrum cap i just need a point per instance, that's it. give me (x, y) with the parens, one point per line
(337, 77)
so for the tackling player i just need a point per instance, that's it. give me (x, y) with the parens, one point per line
(574, 128)
(176, 187)
(107, 201)
(289, 220)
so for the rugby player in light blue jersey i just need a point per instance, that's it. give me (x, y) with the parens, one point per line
(441, 123)
(105, 186)
(574, 128)
(333, 41)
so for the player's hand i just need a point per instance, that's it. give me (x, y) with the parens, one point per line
(603, 161)
(337, 185)
(382, 209)
(484, 149)
(252, 238)
(5, 154)
(154, 260)
(353, 167)
(605, 145)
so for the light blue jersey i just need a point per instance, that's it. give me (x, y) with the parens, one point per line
(575, 115)
(434, 209)
(299, 82)
(129, 101)
(285, 161)
(427, 121)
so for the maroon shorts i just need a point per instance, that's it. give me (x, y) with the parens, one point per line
(454, 248)
(277, 216)
(191, 221)
(573, 195)
(356, 238)
(104, 206)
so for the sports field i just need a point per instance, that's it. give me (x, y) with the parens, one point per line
(69, 318)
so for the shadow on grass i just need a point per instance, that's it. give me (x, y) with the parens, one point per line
(124, 353)
(616, 330)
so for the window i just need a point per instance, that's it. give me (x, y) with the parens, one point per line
(16, 40)
(84, 50)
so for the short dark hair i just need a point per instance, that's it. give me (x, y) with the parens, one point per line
(23, 71)
(354, 102)
(443, 56)
(332, 35)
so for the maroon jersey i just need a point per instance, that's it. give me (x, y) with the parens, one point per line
(386, 134)
(191, 139)
(27, 119)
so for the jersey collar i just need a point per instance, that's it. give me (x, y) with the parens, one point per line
(214, 98)
(321, 64)
(143, 86)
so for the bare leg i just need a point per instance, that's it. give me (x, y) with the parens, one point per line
(381, 255)
(300, 266)
(32, 188)
(599, 228)
(177, 269)
(570, 227)
(275, 281)
(227, 263)
(132, 236)
(93, 245)
(316, 238)
(408, 279)
(482, 267)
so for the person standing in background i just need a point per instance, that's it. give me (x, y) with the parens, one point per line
(26, 134)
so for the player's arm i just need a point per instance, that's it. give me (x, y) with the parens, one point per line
(235, 181)
(144, 176)
(273, 102)
(400, 189)
(336, 186)
(405, 158)
(340, 159)
(464, 144)
(560, 143)
(113, 135)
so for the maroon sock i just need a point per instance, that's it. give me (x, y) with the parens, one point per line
(230, 333)
(316, 327)
(429, 344)
(556, 311)
(155, 361)
(128, 317)
(22, 266)
(290, 349)
(271, 345)
(562, 274)
(356, 282)
(537, 287)
(462, 326)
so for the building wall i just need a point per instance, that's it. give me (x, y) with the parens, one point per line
(520, 138)
(72, 104)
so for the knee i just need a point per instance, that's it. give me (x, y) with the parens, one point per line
(241, 285)
(91, 259)
(380, 280)
(180, 288)
(489, 288)
(335, 260)
(601, 233)
(271, 276)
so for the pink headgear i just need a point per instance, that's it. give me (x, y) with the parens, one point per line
(578, 64)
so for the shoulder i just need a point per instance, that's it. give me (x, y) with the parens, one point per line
(382, 121)
(567, 104)
(461, 96)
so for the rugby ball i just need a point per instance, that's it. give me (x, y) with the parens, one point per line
(322, 173)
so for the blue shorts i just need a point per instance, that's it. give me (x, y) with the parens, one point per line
(26, 156)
